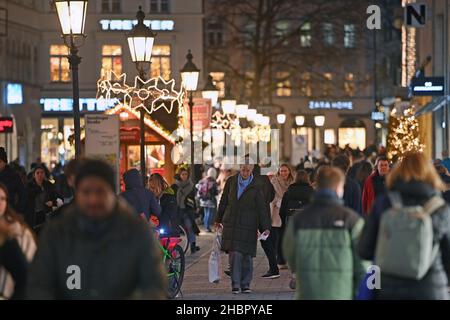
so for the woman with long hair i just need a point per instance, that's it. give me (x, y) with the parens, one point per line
(272, 246)
(21, 233)
(415, 181)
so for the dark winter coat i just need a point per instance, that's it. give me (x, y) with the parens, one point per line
(169, 218)
(33, 190)
(243, 217)
(118, 258)
(266, 187)
(352, 195)
(16, 189)
(141, 199)
(434, 284)
(297, 192)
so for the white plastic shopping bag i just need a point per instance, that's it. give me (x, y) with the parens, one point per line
(215, 265)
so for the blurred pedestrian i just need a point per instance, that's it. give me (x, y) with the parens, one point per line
(320, 243)
(12, 181)
(18, 231)
(375, 184)
(169, 219)
(141, 199)
(416, 183)
(272, 247)
(98, 247)
(42, 198)
(207, 191)
(242, 212)
(187, 206)
(352, 190)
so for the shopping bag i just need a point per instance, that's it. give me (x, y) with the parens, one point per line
(215, 265)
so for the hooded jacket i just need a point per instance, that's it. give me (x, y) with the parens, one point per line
(141, 199)
(16, 189)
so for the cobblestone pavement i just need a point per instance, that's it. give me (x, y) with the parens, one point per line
(197, 287)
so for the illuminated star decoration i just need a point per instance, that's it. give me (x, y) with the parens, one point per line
(161, 93)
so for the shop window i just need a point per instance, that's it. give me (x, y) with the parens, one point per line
(329, 136)
(59, 65)
(112, 59)
(354, 137)
(159, 6)
(219, 81)
(283, 85)
(161, 61)
(349, 84)
(155, 158)
(305, 35)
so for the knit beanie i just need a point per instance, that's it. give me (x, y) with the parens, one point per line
(98, 169)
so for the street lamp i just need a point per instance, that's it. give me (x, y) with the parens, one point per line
(300, 120)
(140, 43)
(251, 114)
(241, 110)
(189, 76)
(72, 18)
(210, 91)
(281, 118)
(228, 103)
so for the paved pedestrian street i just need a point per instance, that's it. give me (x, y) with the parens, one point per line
(197, 287)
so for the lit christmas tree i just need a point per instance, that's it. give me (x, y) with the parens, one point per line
(403, 134)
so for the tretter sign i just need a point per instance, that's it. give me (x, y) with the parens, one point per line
(121, 25)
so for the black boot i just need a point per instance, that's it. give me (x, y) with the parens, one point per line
(194, 248)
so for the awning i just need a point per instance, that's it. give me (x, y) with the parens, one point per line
(434, 105)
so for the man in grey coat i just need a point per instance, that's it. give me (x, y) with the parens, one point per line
(242, 212)
(97, 249)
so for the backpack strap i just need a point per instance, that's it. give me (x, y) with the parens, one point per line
(433, 204)
(396, 199)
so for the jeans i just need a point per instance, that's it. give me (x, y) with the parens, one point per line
(209, 216)
(270, 246)
(188, 224)
(241, 269)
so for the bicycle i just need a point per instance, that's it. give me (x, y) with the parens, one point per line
(184, 243)
(174, 261)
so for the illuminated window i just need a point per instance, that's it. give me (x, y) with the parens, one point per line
(112, 59)
(329, 136)
(219, 81)
(354, 137)
(283, 85)
(305, 84)
(111, 6)
(328, 34)
(161, 61)
(159, 6)
(349, 36)
(327, 84)
(59, 65)
(349, 84)
(305, 35)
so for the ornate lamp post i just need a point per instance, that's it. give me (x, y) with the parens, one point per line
(210, 91)
(140, 43)
(72, 17)
(189, 77)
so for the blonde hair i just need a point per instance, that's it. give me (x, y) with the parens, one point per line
(415, 166)
(291, 177)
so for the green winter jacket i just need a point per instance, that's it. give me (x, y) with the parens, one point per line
(320, 247)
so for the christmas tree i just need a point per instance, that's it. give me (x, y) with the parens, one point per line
(403, 135)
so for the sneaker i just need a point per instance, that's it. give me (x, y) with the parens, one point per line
(227, 273)
(235, 291)
(270, 275)
(246, 290)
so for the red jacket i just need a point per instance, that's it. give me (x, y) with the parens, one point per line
(368, 195)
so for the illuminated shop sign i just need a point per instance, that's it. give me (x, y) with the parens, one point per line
(14, 93)
(428, 86)
(6, 125)
(339, 105)
(120, 25)
(86, 104)
(377, 116)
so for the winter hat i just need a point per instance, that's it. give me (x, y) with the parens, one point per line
(3, 155)
(212, 173)
(98, 169)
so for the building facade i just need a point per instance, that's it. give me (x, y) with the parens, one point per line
(178, 25)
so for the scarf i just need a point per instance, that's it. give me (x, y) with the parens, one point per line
(243, 184)
(280, 185)
(184, 189)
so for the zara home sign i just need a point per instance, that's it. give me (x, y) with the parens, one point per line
(339, 105)
(120, 25)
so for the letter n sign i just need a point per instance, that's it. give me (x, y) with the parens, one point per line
(415, 15)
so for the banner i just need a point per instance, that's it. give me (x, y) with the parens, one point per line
(103, 140)
(201, 113)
